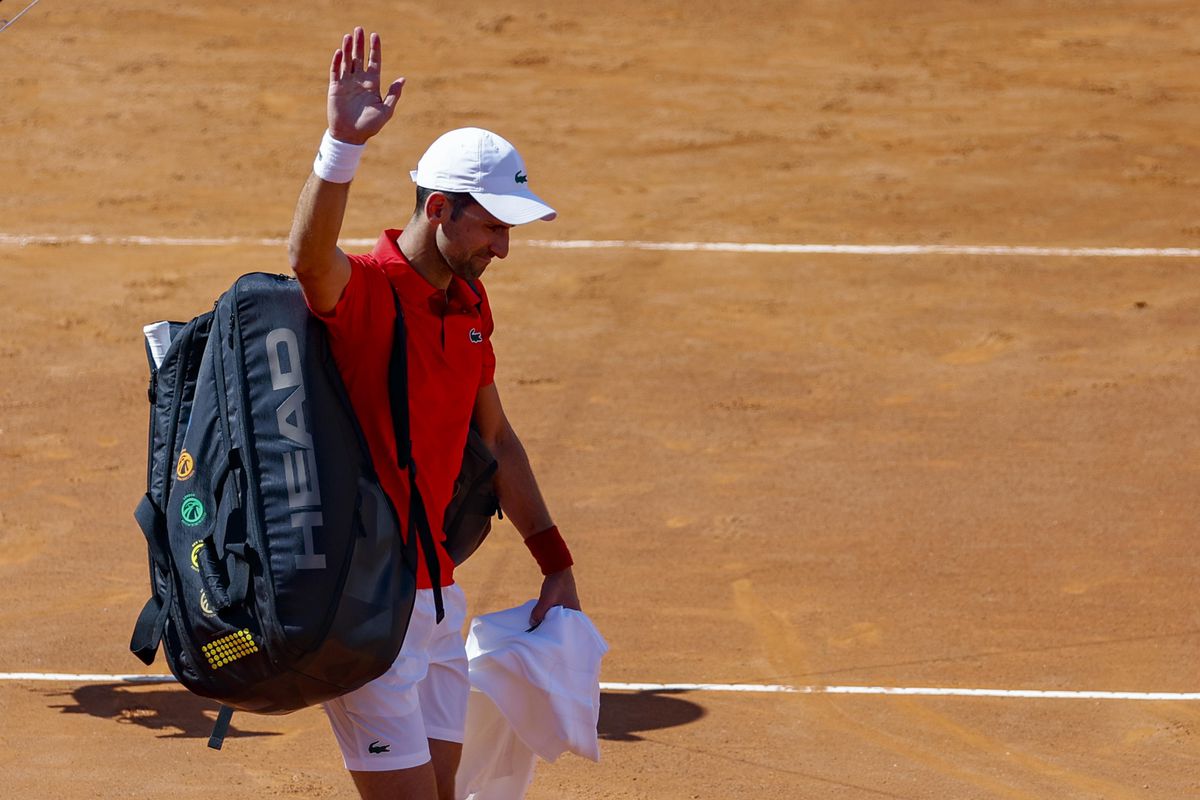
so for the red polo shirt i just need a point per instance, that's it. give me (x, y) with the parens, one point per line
(450, 358)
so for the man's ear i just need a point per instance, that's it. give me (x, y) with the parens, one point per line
(437, 208)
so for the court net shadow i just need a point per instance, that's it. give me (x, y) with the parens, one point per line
(623, 715)
(179, 714)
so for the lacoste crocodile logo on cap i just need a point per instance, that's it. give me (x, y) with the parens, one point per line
(521, 177)
(375, 748)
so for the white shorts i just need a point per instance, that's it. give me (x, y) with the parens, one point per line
(387, 723)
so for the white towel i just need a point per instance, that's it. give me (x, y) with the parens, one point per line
(158, 334)
(533, 693)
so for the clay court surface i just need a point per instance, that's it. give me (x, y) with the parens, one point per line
(810, 469)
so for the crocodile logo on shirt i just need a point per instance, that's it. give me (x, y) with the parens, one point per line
(476, 336)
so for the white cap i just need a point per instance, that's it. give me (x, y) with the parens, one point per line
(486, 165)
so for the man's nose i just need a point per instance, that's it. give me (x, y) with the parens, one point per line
(500, 244)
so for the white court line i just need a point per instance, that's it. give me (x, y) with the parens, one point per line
(878, 249)
(757, 688)
(1055, 694)
(66, 677)
(23, 240)
(9, 23)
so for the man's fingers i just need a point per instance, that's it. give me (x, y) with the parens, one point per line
(347, 55)
(539, 613)
(393, 95)
(359, 48)
(354, 50)
(375, 60)
(335, 67)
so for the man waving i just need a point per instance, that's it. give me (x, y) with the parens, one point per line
(401, 734)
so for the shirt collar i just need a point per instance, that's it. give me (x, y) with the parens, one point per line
(459, 296)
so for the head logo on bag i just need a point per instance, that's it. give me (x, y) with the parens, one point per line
(299, 464)
(197, 546)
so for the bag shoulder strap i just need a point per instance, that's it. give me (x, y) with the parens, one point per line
(418, 519)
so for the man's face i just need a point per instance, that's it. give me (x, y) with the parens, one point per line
(470, 242)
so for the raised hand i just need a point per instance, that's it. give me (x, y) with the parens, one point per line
(355, 109)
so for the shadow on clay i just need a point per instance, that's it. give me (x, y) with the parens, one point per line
(183, 715)
(623, 715)
(179, 714)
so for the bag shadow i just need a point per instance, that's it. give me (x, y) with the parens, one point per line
(179, 714)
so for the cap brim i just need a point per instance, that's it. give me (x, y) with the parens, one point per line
(515, 209)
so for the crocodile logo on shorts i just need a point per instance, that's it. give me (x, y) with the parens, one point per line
(185, 467)
(375, 748)
(192, 511)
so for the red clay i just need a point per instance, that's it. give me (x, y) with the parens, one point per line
(936, 471)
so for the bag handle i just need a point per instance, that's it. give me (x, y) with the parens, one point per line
(228, 540)
(147, 631)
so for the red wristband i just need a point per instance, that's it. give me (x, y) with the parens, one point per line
(549, 550)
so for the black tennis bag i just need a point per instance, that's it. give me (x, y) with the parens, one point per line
(279, 578)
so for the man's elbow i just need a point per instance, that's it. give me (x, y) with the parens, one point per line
(297, 257)
(308, 268)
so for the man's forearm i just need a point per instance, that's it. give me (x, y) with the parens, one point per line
(312, 246)
(317, 224)
(517, 487)
(522, 501)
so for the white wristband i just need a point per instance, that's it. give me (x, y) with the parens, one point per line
(336, 161)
